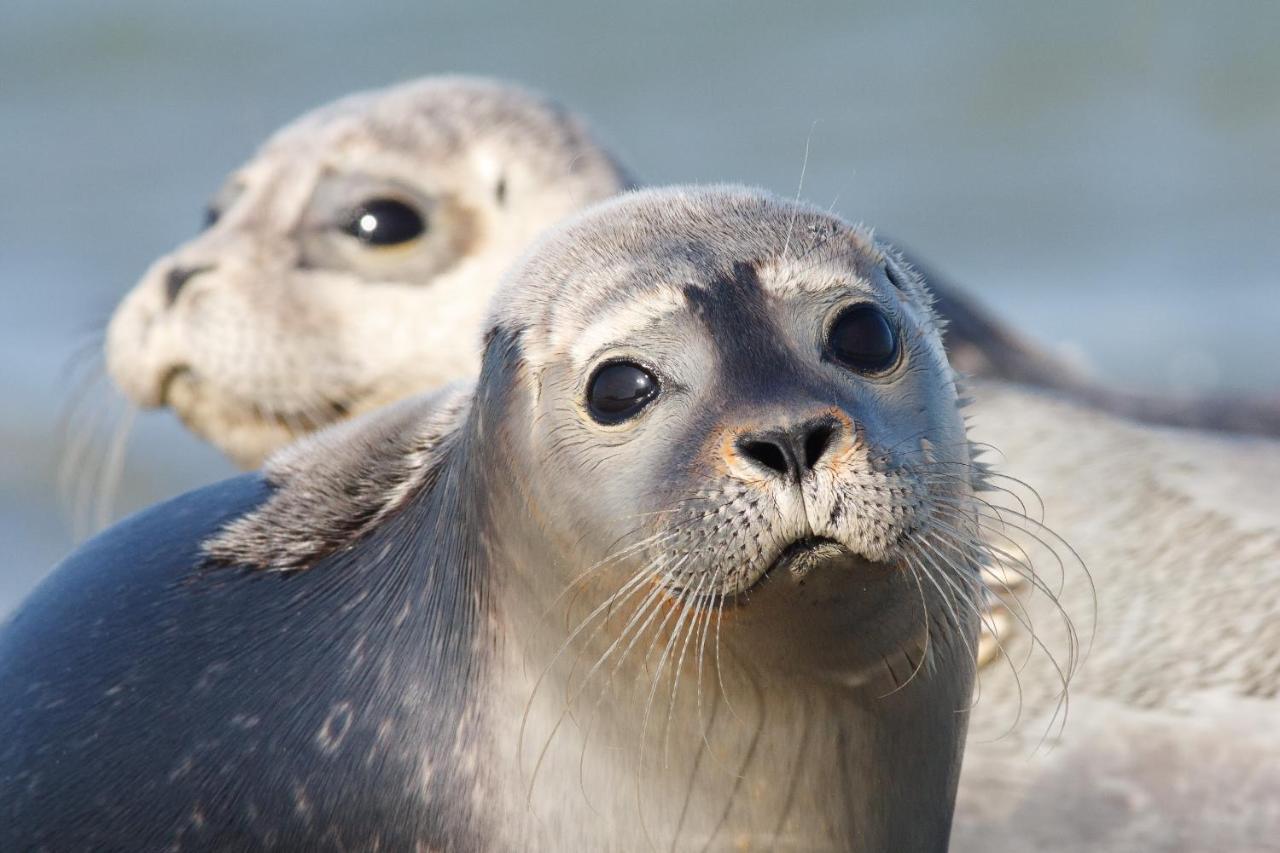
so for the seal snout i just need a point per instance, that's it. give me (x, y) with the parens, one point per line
(179, 276)
(790, 452)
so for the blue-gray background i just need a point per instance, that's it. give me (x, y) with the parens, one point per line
(1107, 175)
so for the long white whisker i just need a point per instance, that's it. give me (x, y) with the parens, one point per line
(109, 485)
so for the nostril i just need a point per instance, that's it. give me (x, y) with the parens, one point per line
(816, 443)
(792, 451)
(767, 453)
(177, 278)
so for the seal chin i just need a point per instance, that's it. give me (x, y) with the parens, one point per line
(805, 555)
(799, 561)
(246, 431)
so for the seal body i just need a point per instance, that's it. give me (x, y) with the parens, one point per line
(693, 564)
(1162, 737)
(165, 707)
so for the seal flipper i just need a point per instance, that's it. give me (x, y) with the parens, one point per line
(333, 487)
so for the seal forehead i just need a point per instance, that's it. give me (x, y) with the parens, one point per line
(440, 115)
(735, 311)
(713, 252)
(619, 321)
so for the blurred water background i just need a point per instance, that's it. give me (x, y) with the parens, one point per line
(1106, 175)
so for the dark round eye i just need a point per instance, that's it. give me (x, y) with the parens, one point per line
(211, 217)
(619, 390)
(384, 222)
(862, 339)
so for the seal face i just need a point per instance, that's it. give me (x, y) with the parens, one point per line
(745, 415)
(347, 265)
(693, 563)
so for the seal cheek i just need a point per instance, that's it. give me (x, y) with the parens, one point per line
(726, 459)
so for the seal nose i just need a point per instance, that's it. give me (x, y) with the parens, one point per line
(177, 278)
(790, 452)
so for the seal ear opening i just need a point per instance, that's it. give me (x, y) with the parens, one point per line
(913, 281)
(501, 366)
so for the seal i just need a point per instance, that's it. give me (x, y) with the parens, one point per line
(692, 565)
(983, 346)
(349, 262)
(1166, 742)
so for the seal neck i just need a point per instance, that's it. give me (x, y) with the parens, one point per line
(672, 734)
(627, 728)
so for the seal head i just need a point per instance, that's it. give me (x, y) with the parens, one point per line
(348, 264)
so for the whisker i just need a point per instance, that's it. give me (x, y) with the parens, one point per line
(924, 604)
(697, 614)
(1038, 584)
(804, 165)
(1064, 676)
(1017, 680)
(109, 485)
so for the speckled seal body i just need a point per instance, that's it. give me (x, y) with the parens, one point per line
(743, 616)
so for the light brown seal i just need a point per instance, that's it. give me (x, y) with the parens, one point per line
(1168, 743)
(349, 262)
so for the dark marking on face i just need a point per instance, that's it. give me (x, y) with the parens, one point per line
(500, 191)
(737, 313)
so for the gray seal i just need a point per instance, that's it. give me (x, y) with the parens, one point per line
(1168, 739)
(692, 565)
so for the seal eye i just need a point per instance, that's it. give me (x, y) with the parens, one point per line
(619, 390)
(862, 339)
(384, 222)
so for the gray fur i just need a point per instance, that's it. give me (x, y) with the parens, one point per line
(1179, 532)
(334, 487)
(1168, 743)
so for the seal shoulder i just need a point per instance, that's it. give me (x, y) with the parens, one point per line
(160, 544)
(334, 487)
